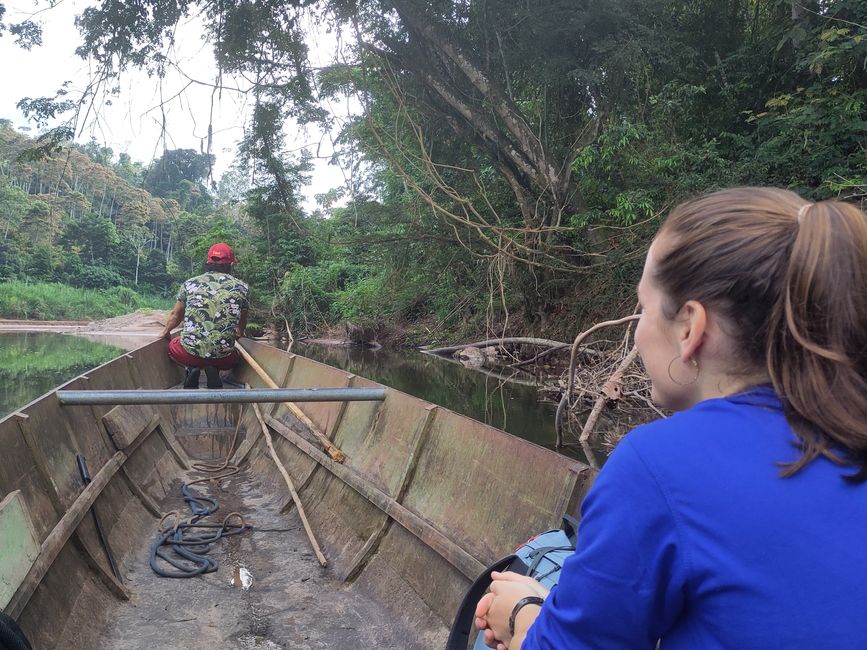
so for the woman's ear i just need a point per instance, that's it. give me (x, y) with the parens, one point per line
(691, 329)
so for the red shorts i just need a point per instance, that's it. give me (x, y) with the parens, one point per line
(184, 358)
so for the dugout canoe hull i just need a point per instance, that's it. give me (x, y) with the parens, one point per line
(425, 499)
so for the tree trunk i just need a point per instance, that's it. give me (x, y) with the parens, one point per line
(551, 177)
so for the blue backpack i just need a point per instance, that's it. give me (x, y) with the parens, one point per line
(541, 558)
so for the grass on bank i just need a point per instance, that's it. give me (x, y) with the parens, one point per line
(52, 301)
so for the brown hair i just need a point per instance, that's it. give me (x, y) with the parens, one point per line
(791, 277)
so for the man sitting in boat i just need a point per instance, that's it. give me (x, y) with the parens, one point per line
(213, 307)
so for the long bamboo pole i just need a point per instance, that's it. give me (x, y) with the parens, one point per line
(329, 447)
(291, 486)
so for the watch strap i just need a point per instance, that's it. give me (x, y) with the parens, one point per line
(526, 600)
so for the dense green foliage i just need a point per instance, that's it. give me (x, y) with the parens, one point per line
(512, 161)
(71, 217)
(79, 218)
(53, 301)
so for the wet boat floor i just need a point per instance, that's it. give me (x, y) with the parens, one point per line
(269, 590)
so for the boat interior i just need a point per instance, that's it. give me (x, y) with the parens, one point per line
(416, 503)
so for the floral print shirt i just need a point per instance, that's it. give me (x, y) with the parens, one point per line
(214, 302)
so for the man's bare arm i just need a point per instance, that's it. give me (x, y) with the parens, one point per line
(176, 315)
(242, 324)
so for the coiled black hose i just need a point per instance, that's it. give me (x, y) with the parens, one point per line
(190, 550)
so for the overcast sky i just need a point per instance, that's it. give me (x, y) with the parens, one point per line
(133, 123)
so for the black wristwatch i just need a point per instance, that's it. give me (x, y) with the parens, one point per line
(526, 600)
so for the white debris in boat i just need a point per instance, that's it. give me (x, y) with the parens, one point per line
(241, 578)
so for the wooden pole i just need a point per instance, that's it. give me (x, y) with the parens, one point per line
(290, 485)
(329, 447)
(430, 536)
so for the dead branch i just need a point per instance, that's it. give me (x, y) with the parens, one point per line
(289, 484)
(526, 362)
(570, 385)
(612, 388)
(335, 453)
(644, 398)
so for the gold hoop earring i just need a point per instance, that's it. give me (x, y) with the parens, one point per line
(680, 383)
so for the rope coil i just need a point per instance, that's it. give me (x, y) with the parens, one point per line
(191, 550)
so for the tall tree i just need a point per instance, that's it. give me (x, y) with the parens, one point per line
(178, 174)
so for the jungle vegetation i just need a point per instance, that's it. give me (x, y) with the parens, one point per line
(511, 162)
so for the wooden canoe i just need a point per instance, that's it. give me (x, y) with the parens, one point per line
(425, 499)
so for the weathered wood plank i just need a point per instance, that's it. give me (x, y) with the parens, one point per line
(366, 551)
(174, 447)
(204, 431)
(301, 487)
(146, 499)
(436, 540)
(272, 408)
(125, 423)
(54, 494)
(417, 449)
(247, 445)
(131, 440)
(341, 409)
(372, 543)
(19, 546)
(105, 576)
(42, 467)
(61, 533)
(577, 472)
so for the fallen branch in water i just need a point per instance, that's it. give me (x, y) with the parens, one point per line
(514, 378)
(525, 340)
(526, 362)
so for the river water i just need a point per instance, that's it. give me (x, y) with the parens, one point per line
(513, 407)
(32, 364)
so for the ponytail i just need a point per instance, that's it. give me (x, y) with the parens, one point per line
(791, 278)
(817, 350)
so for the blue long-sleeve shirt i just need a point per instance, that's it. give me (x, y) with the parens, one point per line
(689, 535)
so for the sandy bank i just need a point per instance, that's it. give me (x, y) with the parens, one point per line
(129, 331)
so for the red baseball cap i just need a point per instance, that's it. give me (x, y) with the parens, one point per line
(221, 254)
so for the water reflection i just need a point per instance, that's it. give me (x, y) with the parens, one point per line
(33, 363)
(510, 406)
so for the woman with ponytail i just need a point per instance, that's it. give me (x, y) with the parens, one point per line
(741, 521)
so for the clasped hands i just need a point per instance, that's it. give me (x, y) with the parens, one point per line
(495, 607)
